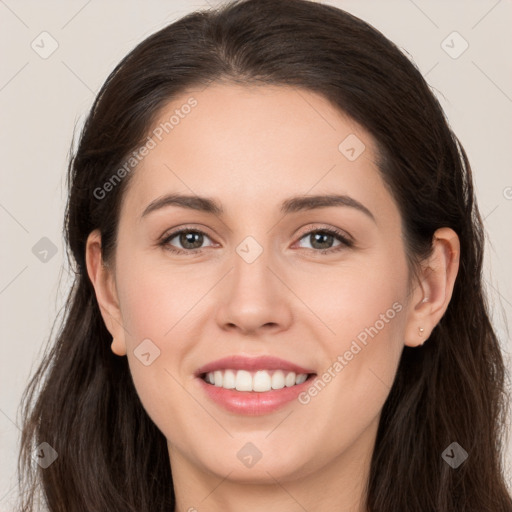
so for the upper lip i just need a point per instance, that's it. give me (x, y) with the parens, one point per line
(239, 362)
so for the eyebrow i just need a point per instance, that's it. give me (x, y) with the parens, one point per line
(291, 205)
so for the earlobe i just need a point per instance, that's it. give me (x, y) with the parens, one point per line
(103, 282)
(117, 347)
(434, 291)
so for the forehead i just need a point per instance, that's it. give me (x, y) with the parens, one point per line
(249, 145)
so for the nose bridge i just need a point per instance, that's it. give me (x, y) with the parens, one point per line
(251, 275)
(254, 296)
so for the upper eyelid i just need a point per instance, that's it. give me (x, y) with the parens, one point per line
(308, 230)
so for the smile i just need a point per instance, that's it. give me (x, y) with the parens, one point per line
(259, 381)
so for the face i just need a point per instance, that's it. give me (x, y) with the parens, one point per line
(323, 286)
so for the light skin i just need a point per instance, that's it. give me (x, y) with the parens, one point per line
(250, 149)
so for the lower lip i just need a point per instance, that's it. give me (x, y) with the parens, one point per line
(253, 403)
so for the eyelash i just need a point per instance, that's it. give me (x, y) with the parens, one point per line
(345, 241)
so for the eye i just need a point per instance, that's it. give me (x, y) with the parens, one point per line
(191, 240)
(322, 239)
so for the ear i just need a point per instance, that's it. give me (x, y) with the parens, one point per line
(432, 294)
(103, 281)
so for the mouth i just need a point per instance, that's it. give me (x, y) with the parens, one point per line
(259, 381)
(253, 386)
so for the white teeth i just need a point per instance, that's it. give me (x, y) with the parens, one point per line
(301, 378)
(289, 380)
(243, 381)
(229, 379)
(259, 381)
(278, 380)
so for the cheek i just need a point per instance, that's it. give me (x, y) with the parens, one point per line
(160, 306)
(364, 309)
(152, 306)
(154, 297)
(357, 300)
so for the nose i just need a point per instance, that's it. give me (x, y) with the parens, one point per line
(254, 296)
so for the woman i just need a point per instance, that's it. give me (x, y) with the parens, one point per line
(209, 360)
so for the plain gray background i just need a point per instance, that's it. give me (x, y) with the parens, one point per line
(42, 99)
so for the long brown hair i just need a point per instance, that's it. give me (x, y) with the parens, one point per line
(82, 401)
